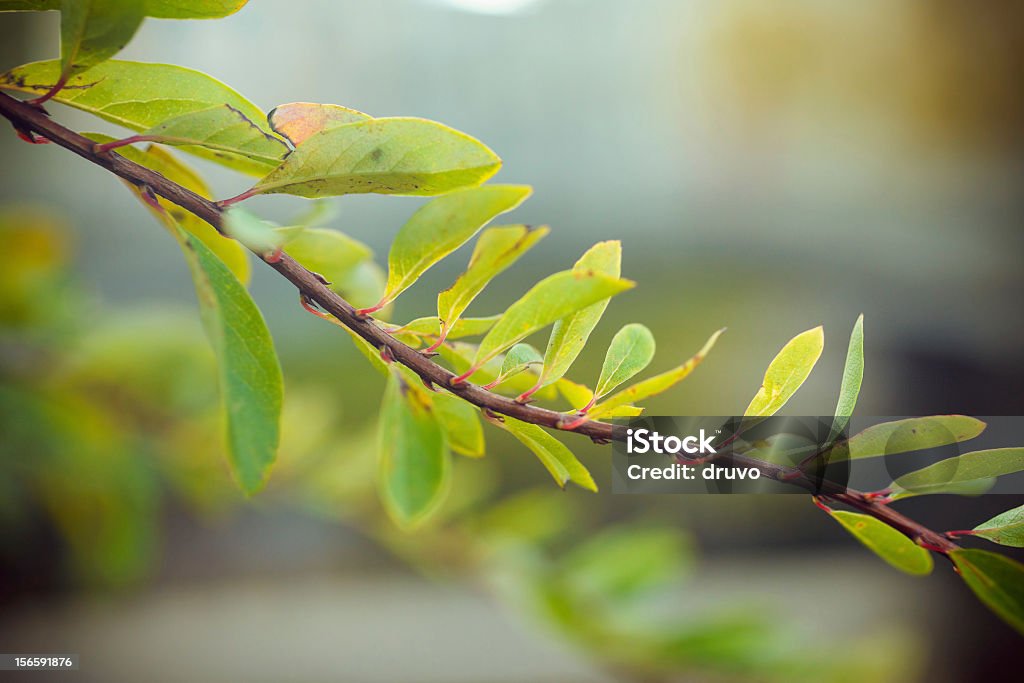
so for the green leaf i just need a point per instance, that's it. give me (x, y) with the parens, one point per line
(997, 581)
(886, 542)
(223, 129)
(193, 9)
(631, 350)
(461, 423)
(1005, 529)
(551, 299)
(518, 359)
(853, 375)
(256, 234)
(297, 121)
(459, 356)
(414, 462)
(431, 326)
(362, 286)
(971, 487)
(569, 336)
(495, 251)
(967, 467)
(654, 385)
(233, 254)
(578, 395)
(913, 434)
(136, 95)
(250, 375)
(443, 225)
(405, 156)
(161, 9)
(627, 561)
(330, 253)
(787, 372)
(93, 31)
(555, 456)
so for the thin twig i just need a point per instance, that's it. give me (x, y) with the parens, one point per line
(25, 117)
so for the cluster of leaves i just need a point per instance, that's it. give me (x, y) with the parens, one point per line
(320, 150)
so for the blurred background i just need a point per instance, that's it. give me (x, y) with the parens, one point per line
(767, 166)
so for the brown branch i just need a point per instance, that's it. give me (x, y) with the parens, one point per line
(26, 117)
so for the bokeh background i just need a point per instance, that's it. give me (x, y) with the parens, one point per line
(767, 166)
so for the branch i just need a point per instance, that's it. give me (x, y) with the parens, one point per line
(26, 117)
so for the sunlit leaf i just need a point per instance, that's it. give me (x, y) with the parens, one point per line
(297, 121)
(964, 468)
(232, 253)
(405, 156)
(443, 225)
(886, 542)
(461, 423)
(414, 461)
(998, 582)
(256, 234)
(569, 335)
(631, 350)
(654, 385)
(551, 299)
(362, 286)
(330, 253)
(787, 372)
(459, 356)
(578, 395)
(222, 129)
(431, 326)
(250, 375)
(913, 434)
(496, 250)
(93, 31)
(853, 375)
(519, 358)
(136, 95)
(1006, 528)
(192, 9)
(555, 456)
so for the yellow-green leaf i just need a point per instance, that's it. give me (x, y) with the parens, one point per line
(569, 335)
(913, 434)
(653, 385)
(431, 326)
(1005, 529)
(886, 542)
(405, 156)
(233, 254)
(551, 299)
(192, 9)
(554, 455)
(250, 375)
(256, 234)
(970, 487)
(330, 253)
(29, 5)
(496, 250)
(578, 395)
(413, 456)
(362, 285)
(136, 95)
(519, 358)
(997, 581)
(443, 225)
(461, 423)
(968, 467)
(93, 31)
(631, 350)
(787, 372)
(853, 375)
(297, 121)
(225, 131)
